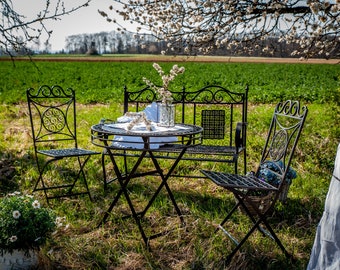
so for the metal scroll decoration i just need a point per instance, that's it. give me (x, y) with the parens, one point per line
(288, 119)
(290, 108)
(213, 94)
(53, 105)
(51, 92)
(278, 146)
(53, 120)
(146, 94)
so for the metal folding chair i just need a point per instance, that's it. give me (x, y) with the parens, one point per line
(253, 194)
(52, 112)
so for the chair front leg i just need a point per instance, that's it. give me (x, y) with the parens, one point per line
(81, 171)
(40, 178)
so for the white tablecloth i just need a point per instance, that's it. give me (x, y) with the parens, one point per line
(325, 254)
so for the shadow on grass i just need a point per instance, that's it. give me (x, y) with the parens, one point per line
(8, 173)
(291, 220)
(294, 212)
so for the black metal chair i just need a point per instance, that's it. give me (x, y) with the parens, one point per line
(52, 112)
(253, 194)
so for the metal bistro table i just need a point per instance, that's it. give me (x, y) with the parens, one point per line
(115, 137)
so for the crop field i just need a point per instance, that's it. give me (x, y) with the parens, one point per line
(80, 244)
(102, 81)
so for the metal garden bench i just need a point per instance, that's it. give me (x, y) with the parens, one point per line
(222, 114)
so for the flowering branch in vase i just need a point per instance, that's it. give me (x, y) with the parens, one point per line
(138, 117)
(163, 91)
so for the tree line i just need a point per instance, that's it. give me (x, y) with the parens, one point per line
(116, 42)
(112, 43)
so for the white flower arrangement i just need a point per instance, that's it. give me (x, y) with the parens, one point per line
(24, 224)
(163, 91)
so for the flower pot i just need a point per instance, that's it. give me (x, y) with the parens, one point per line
(18, 260)
(166, 114)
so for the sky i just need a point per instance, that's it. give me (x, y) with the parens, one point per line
(85, 20)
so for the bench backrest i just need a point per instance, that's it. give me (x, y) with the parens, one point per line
(215, 108)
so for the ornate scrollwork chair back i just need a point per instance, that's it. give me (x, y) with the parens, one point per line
(52, 112)
(284, 133)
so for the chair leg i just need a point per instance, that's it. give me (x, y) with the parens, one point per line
(277, 240)
(245, 161)
(231, 255)
(104, 172)
(240, 199)
(69, 186)
(256, 225)
(125, 164)
(229, 215)
(236, 165)
(40, 178)
(82, 165)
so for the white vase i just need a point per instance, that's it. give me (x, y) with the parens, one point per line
(18, 260)
(166, 114)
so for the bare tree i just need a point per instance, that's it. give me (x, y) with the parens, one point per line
(201, 26)
(17, 31)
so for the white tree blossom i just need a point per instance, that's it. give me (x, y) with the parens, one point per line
(16, 30)
(202, 26)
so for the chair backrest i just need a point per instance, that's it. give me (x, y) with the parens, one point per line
(139, 98)
(284, 132)
(215, 108)
(52, 112)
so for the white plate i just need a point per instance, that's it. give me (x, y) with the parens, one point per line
(124, 119)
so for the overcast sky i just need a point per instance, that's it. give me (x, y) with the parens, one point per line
(85, 20)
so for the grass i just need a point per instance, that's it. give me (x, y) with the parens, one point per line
(80, 244)
(102, 82)
(118, 244)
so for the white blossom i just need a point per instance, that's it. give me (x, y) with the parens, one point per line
(16, 214)
(36, 204)
(13, 238)
(205, 25)
(163, 91)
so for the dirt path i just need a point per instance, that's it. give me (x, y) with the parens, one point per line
(159, 58)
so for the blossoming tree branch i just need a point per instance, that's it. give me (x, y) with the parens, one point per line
(16, 30)
(201, 26)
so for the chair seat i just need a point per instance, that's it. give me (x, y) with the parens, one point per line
(67, 152)
(204, 149)
(213, 149)
(238, 181)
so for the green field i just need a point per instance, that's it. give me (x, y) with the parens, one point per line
(79, 244)
(103, 81)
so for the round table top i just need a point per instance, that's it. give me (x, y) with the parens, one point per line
(118, 136)
(141, 131)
